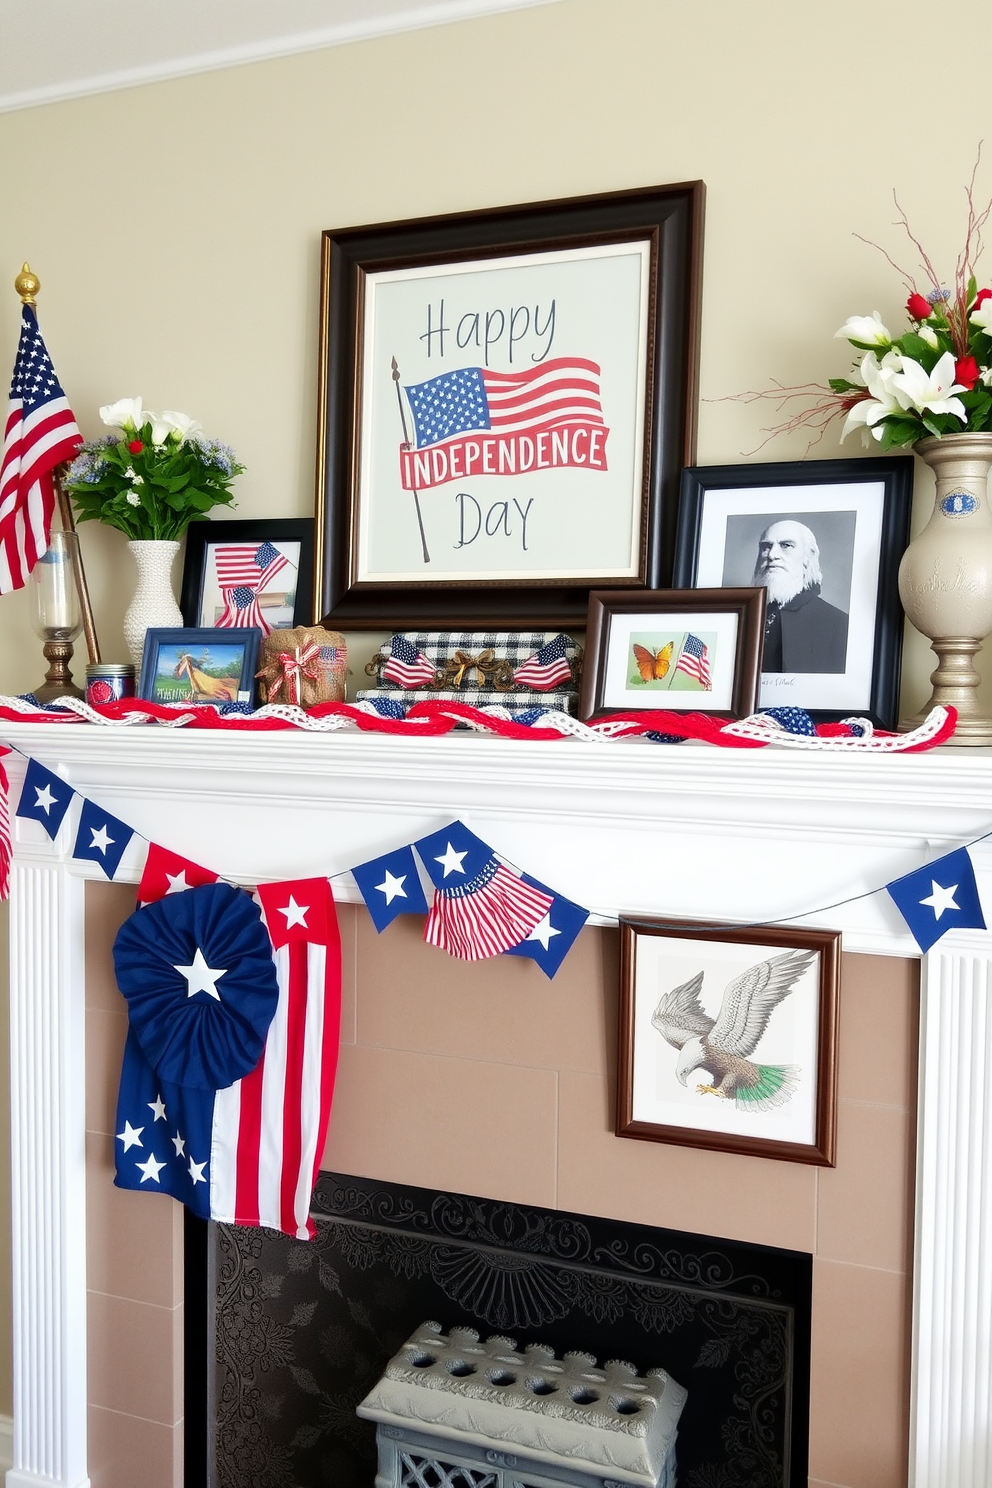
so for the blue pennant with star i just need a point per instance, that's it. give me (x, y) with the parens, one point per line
(454, 856)
(101, 838)
(391, 886)
(45, 798)
(551, 940)
(940, 897)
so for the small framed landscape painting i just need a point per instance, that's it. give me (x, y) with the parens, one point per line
(254, 574)
(673, 650)
(211, 665)
(728, 1038)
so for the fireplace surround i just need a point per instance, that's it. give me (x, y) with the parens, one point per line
(687, 831)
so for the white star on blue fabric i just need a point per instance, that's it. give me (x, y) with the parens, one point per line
(196, 1171)
(150, 1169)
(392, 886)
(543, 931)
(200, 977)
(451, 861)
(180, 1145)
(158, 1106)
(131, 1136)
(941, 898)
(45, 799)
(101, 838)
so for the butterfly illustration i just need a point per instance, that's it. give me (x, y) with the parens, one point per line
(652, 665)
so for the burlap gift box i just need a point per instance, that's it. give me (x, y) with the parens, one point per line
(304, 666)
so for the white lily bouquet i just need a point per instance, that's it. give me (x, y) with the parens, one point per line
(153, 477)
(934, 379)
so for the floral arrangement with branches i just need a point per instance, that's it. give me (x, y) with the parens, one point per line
(934, 379)
(153, 477)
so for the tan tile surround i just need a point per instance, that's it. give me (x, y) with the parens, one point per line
(492, 1080)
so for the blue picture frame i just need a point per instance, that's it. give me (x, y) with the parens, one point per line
(199, 665)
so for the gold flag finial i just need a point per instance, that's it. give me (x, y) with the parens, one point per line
(27, 285)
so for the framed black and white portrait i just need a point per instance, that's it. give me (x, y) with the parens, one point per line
(824, 539)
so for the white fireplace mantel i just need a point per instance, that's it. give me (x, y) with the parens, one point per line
(688, 831)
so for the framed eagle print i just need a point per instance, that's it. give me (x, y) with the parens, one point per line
(728, 1038)
(506, 400)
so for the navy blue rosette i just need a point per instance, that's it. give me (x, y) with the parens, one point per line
(197, 971)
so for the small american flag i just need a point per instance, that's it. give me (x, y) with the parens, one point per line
(694, 661)
(243, 571)
(547, 667)
(472, 398)
(407, 666)
(40, 433)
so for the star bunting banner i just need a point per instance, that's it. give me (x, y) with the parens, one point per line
(940, 897)
(101, 838)
(480, 907)
(552, 937)
(166, 873)
(45, 798)
(391, 886)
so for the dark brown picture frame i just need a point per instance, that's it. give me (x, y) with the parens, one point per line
(607, 611)
(633, 1003)
(669, 219)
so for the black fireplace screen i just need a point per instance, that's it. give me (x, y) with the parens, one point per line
(301, 1331)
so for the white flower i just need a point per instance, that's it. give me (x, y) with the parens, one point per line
(868, 330)
(983, 317)
(181, 424)
(929, 335)
(161, 429)
(124, 414)
(877, 377)
(133, 499)
(919, 390)
(985, 376)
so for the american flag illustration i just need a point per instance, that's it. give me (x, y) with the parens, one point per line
(469, 399)
(694, 660)
(407, 666)
(40, 433)
(243, 571)
(547, 667)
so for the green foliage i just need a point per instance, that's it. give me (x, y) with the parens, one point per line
(154, 491)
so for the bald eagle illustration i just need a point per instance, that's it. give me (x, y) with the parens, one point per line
(721, 1045)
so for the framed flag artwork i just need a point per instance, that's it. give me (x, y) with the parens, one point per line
(249, 574)
(728, 1038)
(506, 399)
(691, 651)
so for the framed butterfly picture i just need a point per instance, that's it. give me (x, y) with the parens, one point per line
(671, 650)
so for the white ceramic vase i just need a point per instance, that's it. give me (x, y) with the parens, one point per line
(154, 603)
(945, 577)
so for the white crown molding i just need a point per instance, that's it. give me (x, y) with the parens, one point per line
(408, 17)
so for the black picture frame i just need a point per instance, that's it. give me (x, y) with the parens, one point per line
(201, 537)
(667, 218)
(616, 616)
(245, 640)
(868, 533)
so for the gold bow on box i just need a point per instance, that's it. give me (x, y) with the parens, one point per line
(487, 668)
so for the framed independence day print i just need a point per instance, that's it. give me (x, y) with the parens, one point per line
(506, 402)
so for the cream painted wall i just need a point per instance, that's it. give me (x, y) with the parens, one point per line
(175, 227)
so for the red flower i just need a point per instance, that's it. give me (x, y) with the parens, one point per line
(981, 297)
(136, 446)
(918, 307)
(966, 372)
